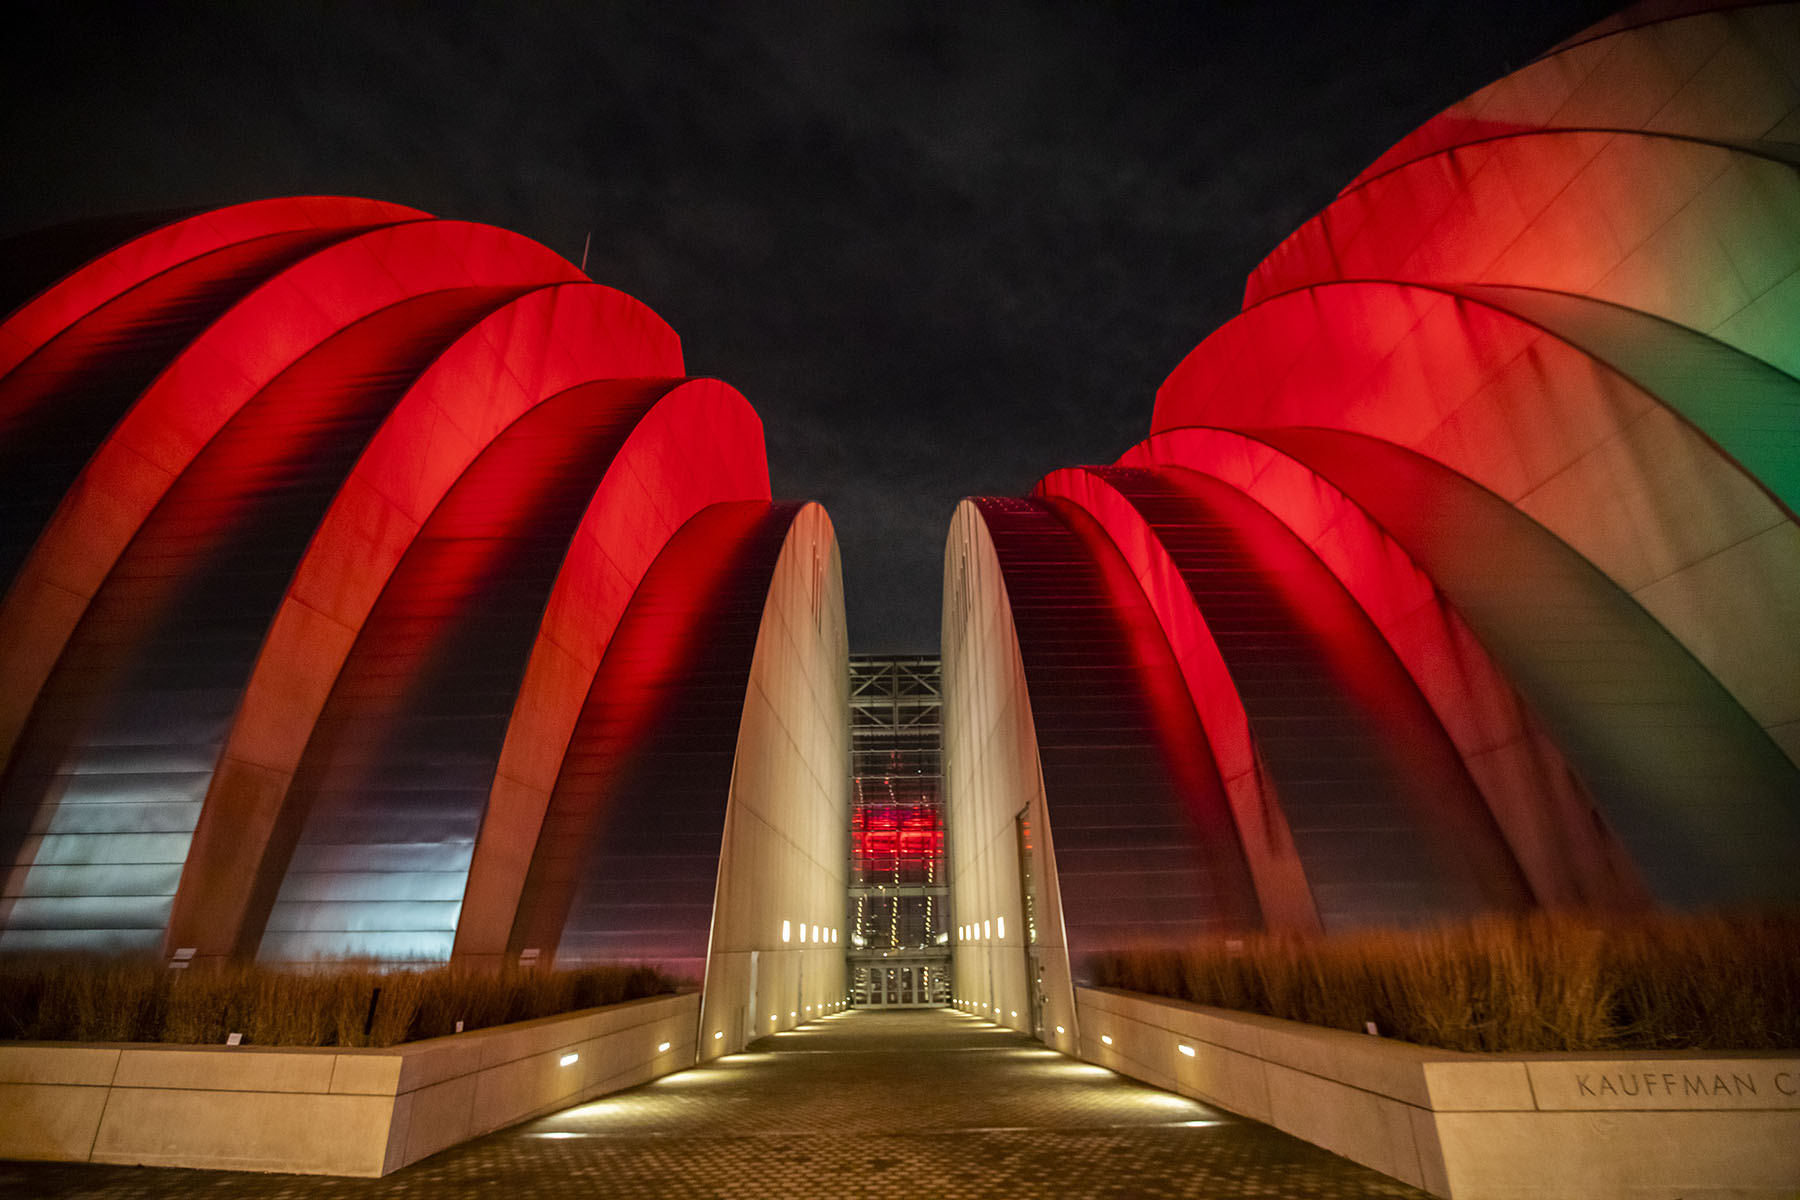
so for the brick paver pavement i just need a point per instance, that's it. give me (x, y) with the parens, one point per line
(909, 1104)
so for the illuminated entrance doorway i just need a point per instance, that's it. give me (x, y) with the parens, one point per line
(899, 951)
(900, 987)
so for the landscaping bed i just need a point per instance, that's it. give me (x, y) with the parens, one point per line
(92, 999)
(1720, 982)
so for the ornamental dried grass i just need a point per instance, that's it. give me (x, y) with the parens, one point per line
(78, 998)
(1538, 983)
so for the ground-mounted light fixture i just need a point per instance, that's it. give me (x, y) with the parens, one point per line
(569, 1060)
(1185, 1049)
(1105, 1039)
(662, 1047)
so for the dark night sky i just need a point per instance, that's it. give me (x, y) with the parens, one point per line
(943, 249)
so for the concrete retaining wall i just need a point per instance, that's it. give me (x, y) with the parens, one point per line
(325, 1111)
(1682, 1126)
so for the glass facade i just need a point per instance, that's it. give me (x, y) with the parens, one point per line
(899, 952)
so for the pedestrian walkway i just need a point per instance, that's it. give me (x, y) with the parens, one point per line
(915, 1104)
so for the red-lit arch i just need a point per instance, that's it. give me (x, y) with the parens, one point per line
(1282, 891)
(627, 818)
(1692, 786)
(108, 276)
(1619, 73)
(1534, 795)
(154, 669)
(585, 453)
(436, 664)
(1324, 697)
(208, 381)
(1568, 211)
(1129, 781)
(699, 447)
(544, 343)
(1521, 406)
(1528, 389)
(431, 470)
